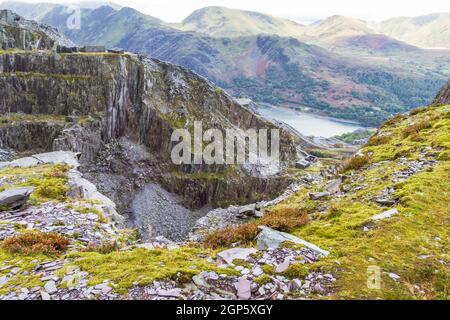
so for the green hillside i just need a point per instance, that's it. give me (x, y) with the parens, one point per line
(406, 162)
(272, 69)
(431, 31)
(225, 22)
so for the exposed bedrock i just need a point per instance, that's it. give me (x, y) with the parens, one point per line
(443, 96)
(119, 111)
(29, 137)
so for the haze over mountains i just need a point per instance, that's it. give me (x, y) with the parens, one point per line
(341, 66)
(425, 31)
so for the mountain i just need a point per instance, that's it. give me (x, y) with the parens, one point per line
(36, 11)
(225, 22)
(371, 77)
(103, 25)
(267, 68)
(430, 31)
(92, 206)
(18, 33)
(336, 28)
(29, 10)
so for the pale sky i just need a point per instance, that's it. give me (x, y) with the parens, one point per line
(300, 10)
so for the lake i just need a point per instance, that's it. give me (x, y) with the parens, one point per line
(309, 124)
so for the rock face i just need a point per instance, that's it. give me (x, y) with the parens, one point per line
(17, 32)
(443, 96)
(119, 111)
(37, 136)
(235, 253)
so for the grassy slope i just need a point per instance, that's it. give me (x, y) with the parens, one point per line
(412, 244)
(394, 244)
(226, 22)
(424, 31)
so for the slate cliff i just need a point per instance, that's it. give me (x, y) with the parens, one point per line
(119, 111)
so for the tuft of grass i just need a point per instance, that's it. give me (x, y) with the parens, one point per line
(377, 140)
(296, 271)
(262, 279)
(268, 269)
(414, 129)
(324, 154)
(393, 121)
(417, 111)
(36, 242)
(242, 263)
(50, 188)
(355, 163)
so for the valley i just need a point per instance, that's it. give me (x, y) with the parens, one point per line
(93, 207)
(340, 67)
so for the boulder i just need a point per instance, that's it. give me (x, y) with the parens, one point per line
(174, 293)
(200, 281)
(6, 155)
(82, 188)
(334, 186)
(15, 198)
(236, 253)
(248, 210)
(385, 201)
(272, 239)
(319, 195)
(67, 157)
(385, 215)
(243, 288)
(283, 266)
(26, 162)
(295, 284)
(147, 246)
(302, 164)
(394, 276)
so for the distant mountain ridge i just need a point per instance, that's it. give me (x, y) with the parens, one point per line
(430, 31)
(226, 22)
(355, 74)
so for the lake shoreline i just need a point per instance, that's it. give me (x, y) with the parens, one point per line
(308, 123)
(315, 115)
